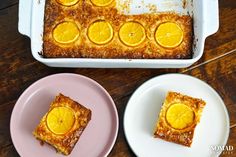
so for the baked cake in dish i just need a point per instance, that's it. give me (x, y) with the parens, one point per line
(97, 29)
(63, 124)
(178, 118)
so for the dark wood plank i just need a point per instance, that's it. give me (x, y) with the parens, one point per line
(227, 4)
(226, 32)
(19, 70)
(225, 75)
(9, 151)
(22, 45)
(5, 115)
(231, 142)
(7, 3)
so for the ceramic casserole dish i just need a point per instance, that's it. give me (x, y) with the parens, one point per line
(205, 16)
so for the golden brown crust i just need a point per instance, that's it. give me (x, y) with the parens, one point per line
(84, 13)
(66, 142)
(184, 136)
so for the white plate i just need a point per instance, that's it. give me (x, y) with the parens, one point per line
(143, 109)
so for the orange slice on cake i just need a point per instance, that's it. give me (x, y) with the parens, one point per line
(67, 2)
(169, 35)
(100, 32)
(66, 32)
(60, 120)
(180, 116)
(101, 3)
(132, 33)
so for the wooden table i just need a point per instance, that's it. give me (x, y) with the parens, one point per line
(19, 69)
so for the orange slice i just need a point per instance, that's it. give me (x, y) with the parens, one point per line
(66, 32)
(101, 3)
(132, 33)
(100, 32)
(180, 116)
(169, 35)
(60, 120)
(67, 2)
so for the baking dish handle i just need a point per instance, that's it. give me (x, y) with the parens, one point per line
(211, 17)
(24, 18)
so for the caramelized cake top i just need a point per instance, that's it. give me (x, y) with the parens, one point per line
(97, 29)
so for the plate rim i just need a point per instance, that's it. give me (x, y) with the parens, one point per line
(116, 116)
(182, 75)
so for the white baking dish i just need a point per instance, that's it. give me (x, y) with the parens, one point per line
(206, 22)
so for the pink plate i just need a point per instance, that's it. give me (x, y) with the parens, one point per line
(97, 139)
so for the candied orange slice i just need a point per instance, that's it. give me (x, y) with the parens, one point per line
(60, 120)
(169, 35)
(66, 32)
(100, 32)
(101, 3)
(67, 2)
(132, 33)
(180, 116)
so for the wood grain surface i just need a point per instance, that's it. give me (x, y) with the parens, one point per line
(19, 69)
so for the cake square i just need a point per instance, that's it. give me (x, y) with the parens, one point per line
(178, 118)
(63, 124)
